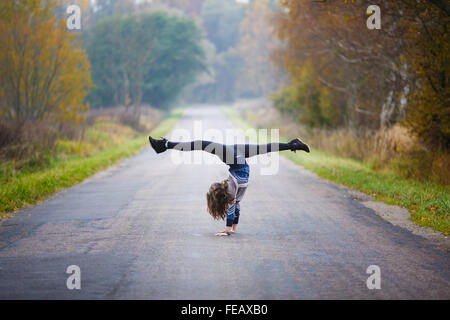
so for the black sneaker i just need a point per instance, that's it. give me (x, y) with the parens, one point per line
(159, 145)
(297, 144)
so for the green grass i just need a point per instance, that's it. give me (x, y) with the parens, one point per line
(428, 203)
(20, 188)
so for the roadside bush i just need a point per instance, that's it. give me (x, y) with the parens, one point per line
(142, 121)
(30, 140)
(440, 168)
(32, 143)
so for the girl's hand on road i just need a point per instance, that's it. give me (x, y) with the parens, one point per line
(223, 233)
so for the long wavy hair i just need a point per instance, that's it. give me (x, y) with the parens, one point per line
(218, 200)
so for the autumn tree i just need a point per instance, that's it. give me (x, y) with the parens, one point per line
(44, 72)
(373, 78)
(428, 56)
(348, 60)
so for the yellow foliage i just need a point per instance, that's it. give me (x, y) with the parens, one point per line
(429, 55)
(373, 78)
(44, 72)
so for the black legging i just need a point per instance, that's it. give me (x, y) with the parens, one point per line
(229, 153)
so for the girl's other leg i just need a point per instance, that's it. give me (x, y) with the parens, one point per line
(237, 212)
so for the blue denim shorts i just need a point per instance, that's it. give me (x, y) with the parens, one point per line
(241, 173)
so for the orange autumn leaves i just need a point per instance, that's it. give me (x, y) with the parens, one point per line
(44, 72)
(373, 78)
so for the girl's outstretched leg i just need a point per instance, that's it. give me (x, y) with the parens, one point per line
(250, 150)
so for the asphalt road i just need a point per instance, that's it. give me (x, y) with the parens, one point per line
(141, 230)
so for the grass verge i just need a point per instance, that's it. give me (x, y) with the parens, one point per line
(25, 187)
(428, 203)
